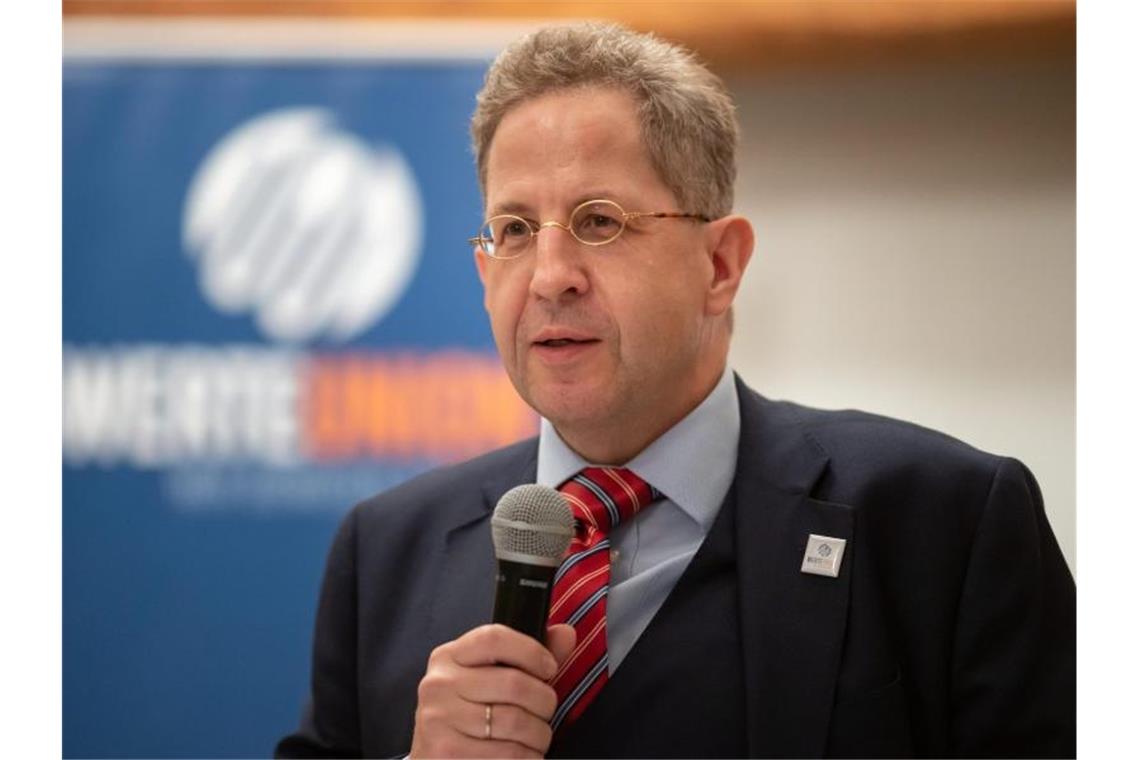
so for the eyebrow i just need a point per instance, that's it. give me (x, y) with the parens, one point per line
(516, 208)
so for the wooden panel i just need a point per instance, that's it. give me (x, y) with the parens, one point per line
(732, 36)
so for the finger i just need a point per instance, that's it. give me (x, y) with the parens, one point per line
(492, 685)
(499, 645)
(560, 640)
(508, 723)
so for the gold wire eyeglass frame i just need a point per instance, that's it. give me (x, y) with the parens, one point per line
(481, 240)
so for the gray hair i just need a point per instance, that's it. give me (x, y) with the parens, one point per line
(688, 120)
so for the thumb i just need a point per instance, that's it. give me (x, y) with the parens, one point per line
(560, 640)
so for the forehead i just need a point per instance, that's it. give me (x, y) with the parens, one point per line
(567, 143)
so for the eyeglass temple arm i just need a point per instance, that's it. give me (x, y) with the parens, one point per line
(665, 215)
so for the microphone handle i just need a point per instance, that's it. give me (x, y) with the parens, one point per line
(522, 597)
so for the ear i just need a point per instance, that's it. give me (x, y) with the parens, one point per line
(730, 249)
(481, 268)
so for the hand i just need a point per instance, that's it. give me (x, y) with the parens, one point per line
(497, 666)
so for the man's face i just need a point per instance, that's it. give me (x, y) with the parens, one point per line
(604, 341)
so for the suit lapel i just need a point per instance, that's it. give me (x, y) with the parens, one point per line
(465, 593)
(792, 624)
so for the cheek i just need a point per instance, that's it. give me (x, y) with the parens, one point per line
(684, 288)
(505, 299)
(662, 313)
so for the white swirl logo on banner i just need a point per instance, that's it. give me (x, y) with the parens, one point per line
(307, 227)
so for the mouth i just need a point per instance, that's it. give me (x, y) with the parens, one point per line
(560, 342)
(559, 348)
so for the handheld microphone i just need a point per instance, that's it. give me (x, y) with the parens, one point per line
(531, 529)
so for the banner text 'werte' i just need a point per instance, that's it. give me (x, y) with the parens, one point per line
(154, 406)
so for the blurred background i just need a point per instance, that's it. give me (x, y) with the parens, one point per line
(270, 312)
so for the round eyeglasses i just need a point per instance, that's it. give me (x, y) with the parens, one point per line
(596, 222)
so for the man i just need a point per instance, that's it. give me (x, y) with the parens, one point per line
(787, 582)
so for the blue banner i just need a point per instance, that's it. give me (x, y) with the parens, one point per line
(270, 313)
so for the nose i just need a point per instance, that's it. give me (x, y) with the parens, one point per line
(559, 264)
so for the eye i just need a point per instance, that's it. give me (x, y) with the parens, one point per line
(598, 222)
(507, 230)
(515, 228)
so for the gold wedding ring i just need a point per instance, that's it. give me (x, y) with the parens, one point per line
(487, 723)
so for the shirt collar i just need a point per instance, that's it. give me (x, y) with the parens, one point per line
(692, 463)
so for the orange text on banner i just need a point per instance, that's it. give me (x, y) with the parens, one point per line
(441, 406)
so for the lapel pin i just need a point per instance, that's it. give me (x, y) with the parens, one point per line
(823, 555)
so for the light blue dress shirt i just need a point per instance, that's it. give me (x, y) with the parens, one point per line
(693, 465)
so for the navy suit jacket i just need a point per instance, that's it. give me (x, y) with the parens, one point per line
(950, 630)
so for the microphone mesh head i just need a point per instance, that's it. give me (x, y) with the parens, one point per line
(532, 523)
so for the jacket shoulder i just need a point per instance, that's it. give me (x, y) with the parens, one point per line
(870, 456)
(853, 436)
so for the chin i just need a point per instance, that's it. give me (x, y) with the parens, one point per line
(568, 405)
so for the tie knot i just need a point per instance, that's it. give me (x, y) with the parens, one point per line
(604, 497)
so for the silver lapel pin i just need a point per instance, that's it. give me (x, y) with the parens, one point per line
(823, 555)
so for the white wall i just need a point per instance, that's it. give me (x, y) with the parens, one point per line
(915, 253)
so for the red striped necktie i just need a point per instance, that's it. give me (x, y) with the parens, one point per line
(601, 498)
